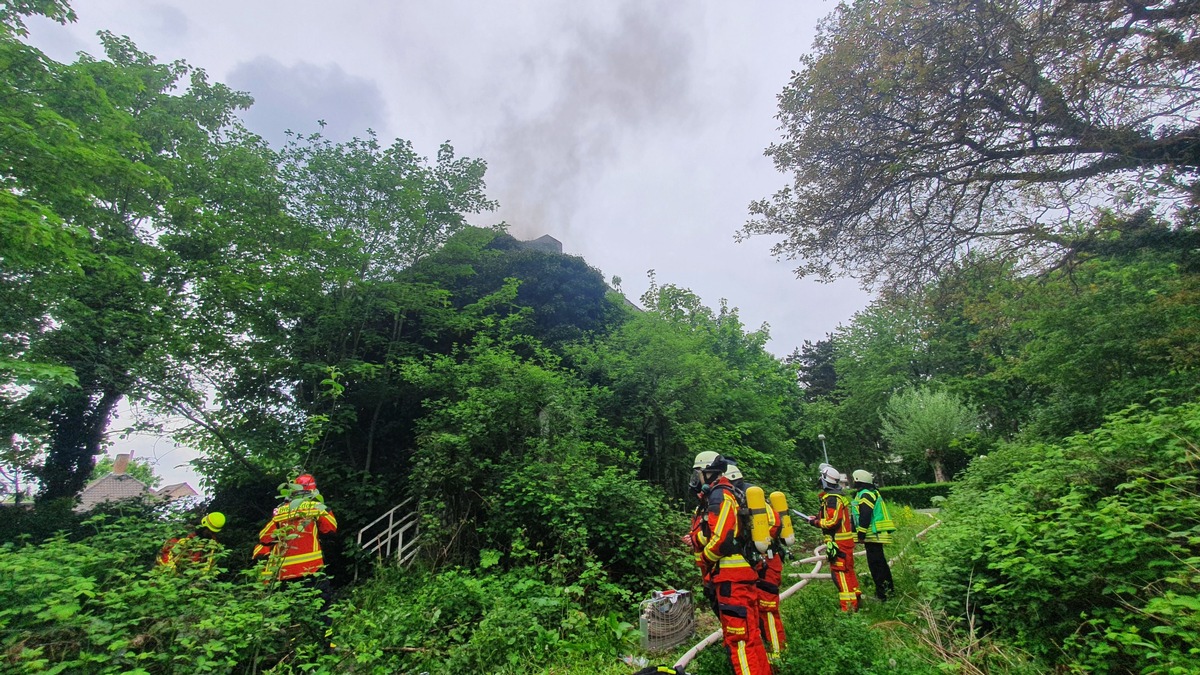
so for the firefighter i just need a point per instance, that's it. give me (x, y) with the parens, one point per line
(875, 527)
(770, 573)
(717, 536)
(197, 550)
(291, 538)
(835, 521)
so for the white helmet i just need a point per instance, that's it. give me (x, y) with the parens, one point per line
(732, 472)
(707, 459)
(863, 476)
(830, 477)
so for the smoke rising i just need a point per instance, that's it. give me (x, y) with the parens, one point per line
(606, 85)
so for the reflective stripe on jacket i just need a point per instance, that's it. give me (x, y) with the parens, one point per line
(190, 550)
(719, 535)
(834, 517)
(301, 555)
(874, 518)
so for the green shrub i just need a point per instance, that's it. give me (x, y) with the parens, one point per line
(1085, 552)
(97, 605)
(488, 620)
(576, 508)
(917, 496)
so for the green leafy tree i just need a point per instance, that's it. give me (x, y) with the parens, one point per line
(18, 467)
(881, 350)
(922, 424)
(815, 361)
(114, 167)
(684, 378)
(917, 131)
(1109, 334)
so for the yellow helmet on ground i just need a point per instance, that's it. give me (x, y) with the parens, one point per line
(213, 521)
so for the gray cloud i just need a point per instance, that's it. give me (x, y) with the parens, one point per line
(296, 97)
(58, 42)
(164, 21)
(614, 82)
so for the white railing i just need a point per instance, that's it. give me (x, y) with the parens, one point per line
(394, 534)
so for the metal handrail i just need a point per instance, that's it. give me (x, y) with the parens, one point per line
(393, 539)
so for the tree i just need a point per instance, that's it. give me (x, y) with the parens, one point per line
(18, 467)
(387, 205)
(815, 361)
(122, 180)
(681, 378)
(921, 425)
(918, 131)
(881, 351)
(108, 152)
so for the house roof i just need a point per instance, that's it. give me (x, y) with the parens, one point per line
(112, 487)
(176, 491)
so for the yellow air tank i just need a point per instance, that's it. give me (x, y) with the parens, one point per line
(779, 505)
(760, 527)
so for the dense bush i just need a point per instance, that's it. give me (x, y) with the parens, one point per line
(483, 621)
(917, 496)
(97, 605)
(1085, 552)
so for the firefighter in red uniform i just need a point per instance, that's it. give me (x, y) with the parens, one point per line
(292, 537)
(717, 537)
(770, 573)
(198, 550)
(834, 520)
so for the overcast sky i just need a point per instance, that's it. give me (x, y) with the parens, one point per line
(631, 131)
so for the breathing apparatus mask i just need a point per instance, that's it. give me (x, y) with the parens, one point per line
(707, 468)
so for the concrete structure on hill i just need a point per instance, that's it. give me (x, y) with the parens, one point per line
(544, 243)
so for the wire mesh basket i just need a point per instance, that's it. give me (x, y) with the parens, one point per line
(668, 619)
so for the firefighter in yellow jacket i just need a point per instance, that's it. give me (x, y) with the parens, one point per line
(875, 527)
(197, 550)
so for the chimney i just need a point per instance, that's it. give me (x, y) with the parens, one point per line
(120, 464)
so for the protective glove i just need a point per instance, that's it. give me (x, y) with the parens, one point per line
(862, 537)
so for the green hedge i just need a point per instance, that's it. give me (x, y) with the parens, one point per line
(916, 496)
(1085, 552)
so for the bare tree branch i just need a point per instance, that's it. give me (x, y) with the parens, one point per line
(917, 131)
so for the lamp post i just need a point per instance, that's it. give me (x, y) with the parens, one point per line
(823, 451)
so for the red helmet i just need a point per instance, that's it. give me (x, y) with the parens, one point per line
(306, 482)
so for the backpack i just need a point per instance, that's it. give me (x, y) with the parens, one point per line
(744, 542)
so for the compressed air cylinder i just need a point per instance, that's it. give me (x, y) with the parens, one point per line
(760, 527)
(779, 505)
